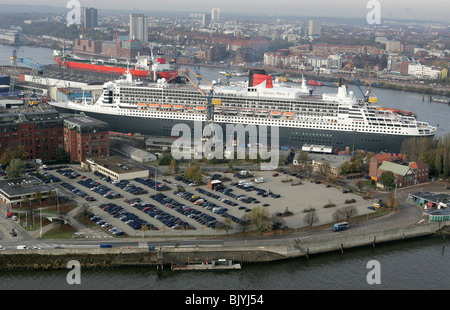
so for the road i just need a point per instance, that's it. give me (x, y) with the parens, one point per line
(407, 214)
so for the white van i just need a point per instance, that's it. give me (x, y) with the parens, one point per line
(259, 180)
(22, 247)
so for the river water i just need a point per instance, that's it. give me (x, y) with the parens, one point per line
(409, 265)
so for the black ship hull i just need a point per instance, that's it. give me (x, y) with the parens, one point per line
(289, 137)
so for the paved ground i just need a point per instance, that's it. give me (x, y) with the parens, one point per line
(295, 198)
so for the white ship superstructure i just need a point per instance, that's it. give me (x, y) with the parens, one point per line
(331, 119)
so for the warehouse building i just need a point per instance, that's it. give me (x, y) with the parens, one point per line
(116, 168)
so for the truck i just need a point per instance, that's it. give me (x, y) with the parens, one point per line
(22, 247)
(106, 245)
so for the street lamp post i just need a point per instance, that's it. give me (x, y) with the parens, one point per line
(40, 217)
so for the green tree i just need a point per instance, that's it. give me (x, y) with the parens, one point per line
(10, 154)
(165, 160)
(38, 196)
(61, 155)
(387, 178)
(15, 168)
(260, 219)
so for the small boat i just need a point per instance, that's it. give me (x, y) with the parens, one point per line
(314, 83)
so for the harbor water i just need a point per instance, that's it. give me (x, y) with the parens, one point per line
(419, 264)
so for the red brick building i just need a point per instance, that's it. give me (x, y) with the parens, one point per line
(375, 162)
(40, 133)
(88, 46)
(85, 137)
(422, 171)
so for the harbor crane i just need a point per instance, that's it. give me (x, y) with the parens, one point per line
(37, 69)
(210, 101)
(349, 68)
(28, 62)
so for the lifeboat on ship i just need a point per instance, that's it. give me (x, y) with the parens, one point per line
(154, 106)
(142, 105)
(189, 109)
(178, 107)
(217, 110)
(200, 108)
(289, 114)
(275, 113)
(230, 110)
(166, 106)
(261, 112)
(246, 111)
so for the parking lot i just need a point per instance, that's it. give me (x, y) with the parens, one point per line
(123, 208)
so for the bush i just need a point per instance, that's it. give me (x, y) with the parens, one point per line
(350, 200)
(309, 210)
(329, 205)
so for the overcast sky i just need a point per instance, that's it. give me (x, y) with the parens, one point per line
(390, 9)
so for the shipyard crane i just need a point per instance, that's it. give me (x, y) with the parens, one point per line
(349, 68)
(210, 102)
(38, 68)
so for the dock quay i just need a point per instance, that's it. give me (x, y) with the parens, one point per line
(195, 257)
(220, 264)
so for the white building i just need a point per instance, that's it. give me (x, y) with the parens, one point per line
(315, 28)
(334, 62)
(215, 14)
(423, 72)
(139, 27)
(393, 46)
(317, 62)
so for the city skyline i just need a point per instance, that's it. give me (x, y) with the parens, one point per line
(433, 10)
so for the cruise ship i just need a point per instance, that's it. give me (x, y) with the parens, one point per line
(339, 120)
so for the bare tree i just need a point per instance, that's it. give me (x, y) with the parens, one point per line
(324, 168)
(348, 212)
(337, 215)
(244, 223)
(311, 218)
(225, 225)
(277, 222)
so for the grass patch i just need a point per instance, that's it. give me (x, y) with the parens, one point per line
(59, 232)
